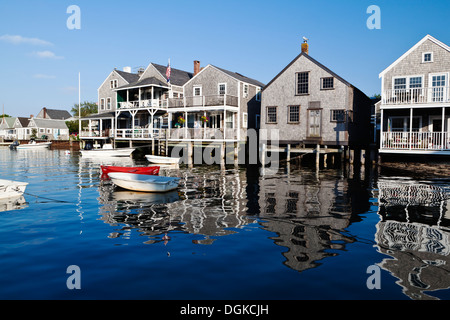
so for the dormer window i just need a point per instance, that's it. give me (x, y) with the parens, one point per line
(427, 57)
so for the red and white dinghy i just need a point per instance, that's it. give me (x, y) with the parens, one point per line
(153, 171)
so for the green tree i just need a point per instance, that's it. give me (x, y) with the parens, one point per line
(86, 109)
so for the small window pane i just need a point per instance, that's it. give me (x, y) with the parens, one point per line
(302, 83)
(294, 114)
(271, 114)
(328, 83)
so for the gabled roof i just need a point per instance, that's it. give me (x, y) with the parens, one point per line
(144, 82)
(235, 75)
(177, 77)
(241, 77)
(7, 122)
(58, 114)
(47, 123)
(427, 37)
(303, 54)
(23, 121)
(127, 76)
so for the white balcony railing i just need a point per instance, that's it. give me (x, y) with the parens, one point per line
(204, 101)
(415, 140)
(202, 134)
(416, 96)
(140, 133)
(155, 103)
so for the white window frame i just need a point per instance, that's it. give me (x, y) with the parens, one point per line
(102, 104)
(200, 91)
(408, 82)
(225, 89)
(444, 88)
(423, 57)
(108, 103)
(244, 120)
(229, 124)
(113, 84)
(245, 91)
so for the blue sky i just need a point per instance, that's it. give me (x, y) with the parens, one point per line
(40, 57)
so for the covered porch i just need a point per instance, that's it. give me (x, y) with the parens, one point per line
(148, 93)
(415, 130)
(214, 124)
(99, 126)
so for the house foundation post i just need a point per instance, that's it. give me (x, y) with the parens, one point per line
(317, 156)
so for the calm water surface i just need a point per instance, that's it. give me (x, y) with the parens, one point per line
(227, 233)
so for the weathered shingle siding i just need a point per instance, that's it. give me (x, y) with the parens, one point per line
(209, 79)
(282, 93)
(412, 64)
(151, 71)
(105, 92)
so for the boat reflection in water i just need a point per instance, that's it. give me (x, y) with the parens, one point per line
(206, 203)
(307, 212)
(15, 203)
(414, 233)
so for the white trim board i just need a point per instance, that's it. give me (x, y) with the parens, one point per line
(427, 37)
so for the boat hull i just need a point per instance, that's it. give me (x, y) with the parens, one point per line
(154, 170)
(125, 152)
(11, 189)
(159, 159)
(40, 145)
(144, 183)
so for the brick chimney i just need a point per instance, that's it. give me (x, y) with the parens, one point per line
(196, 67)
(45, 112)
(305, 46)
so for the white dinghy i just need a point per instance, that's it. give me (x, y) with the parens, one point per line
(11, 189)
(162, 160)
(142, 182)
(107, 151)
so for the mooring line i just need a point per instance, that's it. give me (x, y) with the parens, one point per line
(54, 200)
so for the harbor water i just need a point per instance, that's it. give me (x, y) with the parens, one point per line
(230, 232)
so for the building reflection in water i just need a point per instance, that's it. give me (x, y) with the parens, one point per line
(414, 233)
(310, 212)
(305, 211)
(208, 203)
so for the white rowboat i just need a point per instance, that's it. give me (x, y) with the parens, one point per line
(142, 182)
(160, 159)
(107, 151)
(10, 188)
(34, 145)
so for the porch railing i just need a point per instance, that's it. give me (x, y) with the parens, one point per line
(155, 103)
(204, 101)
(415, 140)
(416, 95)
(201, 134)
(96, 133)
(140, 133)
